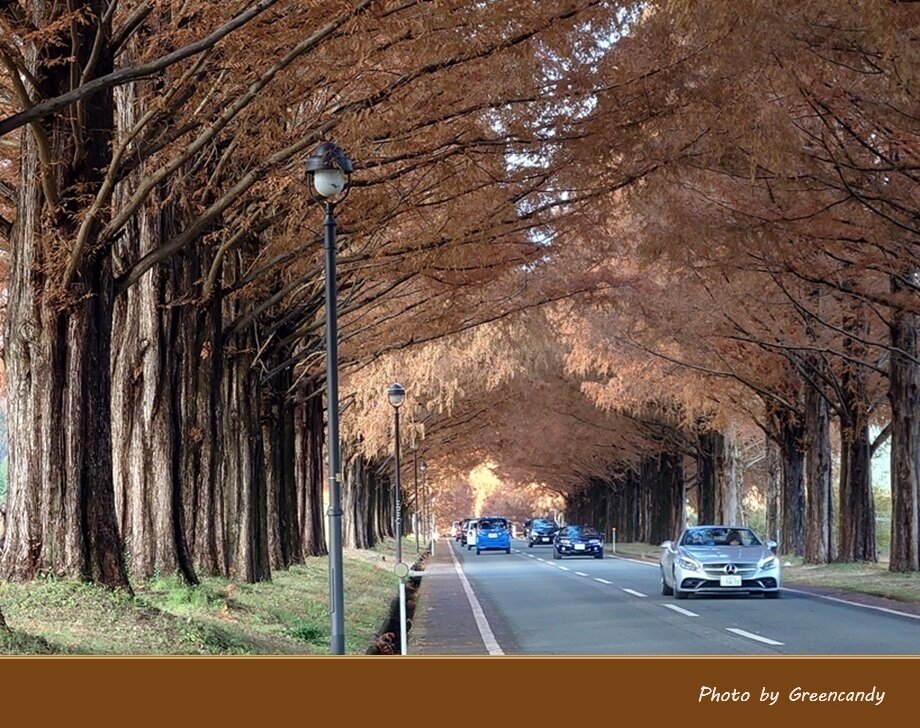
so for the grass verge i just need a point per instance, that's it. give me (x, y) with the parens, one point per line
(288, 615)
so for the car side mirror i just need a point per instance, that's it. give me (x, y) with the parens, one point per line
(666, 544)
(772, 545)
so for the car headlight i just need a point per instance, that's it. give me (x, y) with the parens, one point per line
(689, 564)
(594, 542)
(768, 563)
(565, 542)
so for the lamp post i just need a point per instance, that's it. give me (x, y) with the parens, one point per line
(329, 169)
(418, 520)
(427, 512)
(397, 395)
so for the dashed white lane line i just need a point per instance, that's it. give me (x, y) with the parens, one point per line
(635, 593)
(602, 581)
(531, 556)
(680, 610)
(485, 631)
(581, 573)
(752, 636)
(539, 559)
(564, 568)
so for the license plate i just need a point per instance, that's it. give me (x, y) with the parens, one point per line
(546, 539)
(493, 535)
(731, 580)
(579, 547)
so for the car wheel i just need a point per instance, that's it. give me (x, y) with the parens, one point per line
(772, 595)
(665, 589)
(478, 552)
(599, 555)
(556, 554)
(530, 544)
(469, 548)
(508, 550)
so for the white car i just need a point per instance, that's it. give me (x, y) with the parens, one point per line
(719, 560)
(471, 533)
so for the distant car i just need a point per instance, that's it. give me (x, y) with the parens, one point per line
(455, 529)
(461, 531)
(719, 560)
(493, 534)
(578, 541)
(542, 530)
(471, 533)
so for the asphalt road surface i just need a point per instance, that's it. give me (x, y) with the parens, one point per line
(533, 604)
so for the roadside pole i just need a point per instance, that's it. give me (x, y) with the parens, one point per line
(402, 571)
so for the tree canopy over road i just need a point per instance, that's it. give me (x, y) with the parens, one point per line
(606, 246)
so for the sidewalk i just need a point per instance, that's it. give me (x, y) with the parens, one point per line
(443, 622)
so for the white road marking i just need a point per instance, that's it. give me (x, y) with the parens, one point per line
(635, 593)
(539, 559)
(531, 556)
(680, 610)
(485, 631)
(854, 604)
(581, 573)
(564, 568)
(602, 581)
(752, 636)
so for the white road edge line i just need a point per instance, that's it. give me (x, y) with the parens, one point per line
(680, 610)
(635, 593)
(752, 636)
(581, 573)
(485, 631)
(602, 581)
(804, 593)
(854, 604)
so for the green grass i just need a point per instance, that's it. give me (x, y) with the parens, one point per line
(862, 578)
(288, 615)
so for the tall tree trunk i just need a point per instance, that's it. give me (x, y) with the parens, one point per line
(773, 489)
(819, 528)
(310, 478)
(904, 397)
(61, 503)
(792, 451)
(857, 508)
(667, 498)
(727, 480)
(706, 475)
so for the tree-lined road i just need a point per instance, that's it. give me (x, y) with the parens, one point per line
(536, 605)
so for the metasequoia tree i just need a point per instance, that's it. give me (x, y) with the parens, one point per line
(156, 182)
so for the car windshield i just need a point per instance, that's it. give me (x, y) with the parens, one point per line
(582, 532)
(710, 536)
(543, 525)
(493, 523)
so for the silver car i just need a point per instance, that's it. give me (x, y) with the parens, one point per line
(719, 560)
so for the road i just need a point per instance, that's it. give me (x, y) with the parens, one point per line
(533, 604)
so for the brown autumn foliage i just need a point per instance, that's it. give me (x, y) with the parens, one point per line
(582, 234)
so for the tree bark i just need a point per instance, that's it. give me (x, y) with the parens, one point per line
(61, 504)
(773, 489)
(819, 528)
(706, 476)
(791, 428)
(857, 507)
(309, 473)
(904, 398)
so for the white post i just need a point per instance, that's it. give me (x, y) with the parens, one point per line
(402, 617)
(613, 539)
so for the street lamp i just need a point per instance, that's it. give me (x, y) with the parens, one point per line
(397, 395)
(424, 468)
(329, 169)
(414, 447)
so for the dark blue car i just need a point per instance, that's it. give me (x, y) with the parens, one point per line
(578, 541)
(493, 534)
